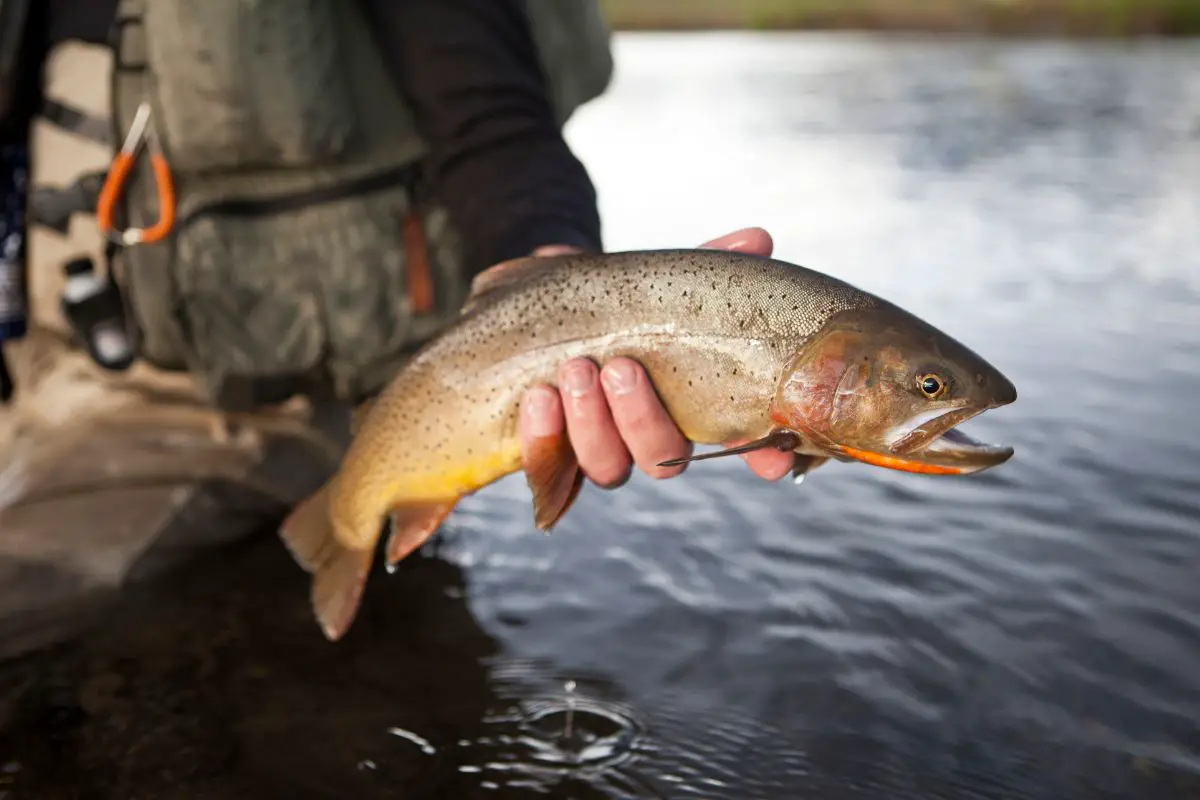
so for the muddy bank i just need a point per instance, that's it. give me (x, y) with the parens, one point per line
(1067, 18)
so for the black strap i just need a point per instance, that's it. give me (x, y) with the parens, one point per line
(76, 121)
(52, 206)
(369, 183)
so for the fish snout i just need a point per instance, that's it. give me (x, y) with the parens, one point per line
(999, 390)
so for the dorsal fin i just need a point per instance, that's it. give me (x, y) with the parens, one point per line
(505, 274)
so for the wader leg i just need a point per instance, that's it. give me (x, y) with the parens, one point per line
(105, 481)
(108, 478)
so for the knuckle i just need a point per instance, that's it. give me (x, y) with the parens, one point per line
(578, 381)
(541, 412)
(641, 413)
(601, 454)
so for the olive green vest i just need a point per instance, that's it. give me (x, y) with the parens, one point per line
(296, 259)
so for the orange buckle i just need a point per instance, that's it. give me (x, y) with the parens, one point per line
(141, 132)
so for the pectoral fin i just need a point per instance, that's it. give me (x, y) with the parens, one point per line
(779, 440)
(804, 465)
(554, 478)
(412, 526)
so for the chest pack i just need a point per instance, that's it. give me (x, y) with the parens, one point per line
(304, 251)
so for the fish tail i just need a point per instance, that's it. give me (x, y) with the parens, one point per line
(339, 572)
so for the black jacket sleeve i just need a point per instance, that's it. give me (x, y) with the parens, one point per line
(499, 164)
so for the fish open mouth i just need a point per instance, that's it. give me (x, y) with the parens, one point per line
(936, 448)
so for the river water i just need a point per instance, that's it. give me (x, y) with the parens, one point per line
(1032, 632)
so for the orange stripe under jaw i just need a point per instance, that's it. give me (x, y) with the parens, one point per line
(897, 463)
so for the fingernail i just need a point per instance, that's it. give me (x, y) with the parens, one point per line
(619, 378)
(538, 407)
(578, 379)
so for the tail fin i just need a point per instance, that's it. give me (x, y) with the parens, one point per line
(339, 573)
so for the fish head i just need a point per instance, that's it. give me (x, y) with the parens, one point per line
(881, 386)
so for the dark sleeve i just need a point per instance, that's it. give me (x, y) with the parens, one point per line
(499, 164)
(85, 20)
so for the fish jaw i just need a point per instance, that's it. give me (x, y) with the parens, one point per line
(950, 453)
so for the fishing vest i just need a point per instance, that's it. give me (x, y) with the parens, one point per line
(304, 252)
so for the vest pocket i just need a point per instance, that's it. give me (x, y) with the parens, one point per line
(285, 288)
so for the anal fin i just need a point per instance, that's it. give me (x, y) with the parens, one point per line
(337, 590)
(554, 477)
(412, 525)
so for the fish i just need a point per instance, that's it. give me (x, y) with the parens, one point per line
(739, 347)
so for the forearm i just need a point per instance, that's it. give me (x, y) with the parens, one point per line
(498, 162)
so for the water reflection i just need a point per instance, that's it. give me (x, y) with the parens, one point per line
(199, 688)
(208, 689)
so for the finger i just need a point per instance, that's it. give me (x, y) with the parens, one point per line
(649, 432)
(556, 250)
(746, 240)
(541, 415)
(494, 270)
(770, 465)
(594, 436)
(545, 251)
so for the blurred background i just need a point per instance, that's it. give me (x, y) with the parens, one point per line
(1024, 174)
(1024, 17)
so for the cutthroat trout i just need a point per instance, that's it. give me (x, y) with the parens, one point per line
(739, 347)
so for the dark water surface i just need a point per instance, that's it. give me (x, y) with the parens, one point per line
(1033, 632)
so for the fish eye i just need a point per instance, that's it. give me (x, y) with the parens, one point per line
(932, 385)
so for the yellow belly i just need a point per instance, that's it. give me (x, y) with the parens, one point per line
(454, 480)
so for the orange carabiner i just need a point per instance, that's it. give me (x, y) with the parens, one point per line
(140, 132)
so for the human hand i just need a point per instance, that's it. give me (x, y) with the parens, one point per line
(613, 416)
